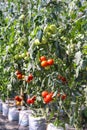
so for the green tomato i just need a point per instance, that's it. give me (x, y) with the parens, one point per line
(25, 58)
(53, 28)
(47, 68)
(49, 34)
(44, 40)
(23, 55)
(37, 42)
(63, 38)
(46, 29)
(16, 57)
(22, 17)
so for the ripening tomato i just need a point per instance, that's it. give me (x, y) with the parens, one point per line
(44, 94)
(42, 58)
(23, 76)
(44, 63)
(18, 103)
(19, 76)
(63, 97)
(50, 61)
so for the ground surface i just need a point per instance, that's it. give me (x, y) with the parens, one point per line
(6, 125)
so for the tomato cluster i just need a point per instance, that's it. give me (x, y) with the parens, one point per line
(45, 62)
(62, 96)
(62, 79)
(31, 100)
(21, 76)
(47, 97)
(29, 78)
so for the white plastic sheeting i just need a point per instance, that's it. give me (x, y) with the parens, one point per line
(24, 117)
(13, 114)
(37, 123)
(50, 126)
(68, 127)
(5, 109)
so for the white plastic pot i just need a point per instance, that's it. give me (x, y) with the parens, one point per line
(5, 109)
(23, 117)
(13, 114)
(50, 126)
(68, 127)
(37, 123)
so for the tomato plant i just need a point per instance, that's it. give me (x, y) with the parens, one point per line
(33, 31)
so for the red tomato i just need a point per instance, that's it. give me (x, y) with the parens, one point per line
(51, 93)
(17, 98)
(50, 61)
(20, 99)
(17, 72)
(42, 58)
(33, 98)
(63, 97)
(48, 98)
(30, 77)
(19, 76)
(30, 101)
(44, 94)
(44, 63)
(63, 79)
